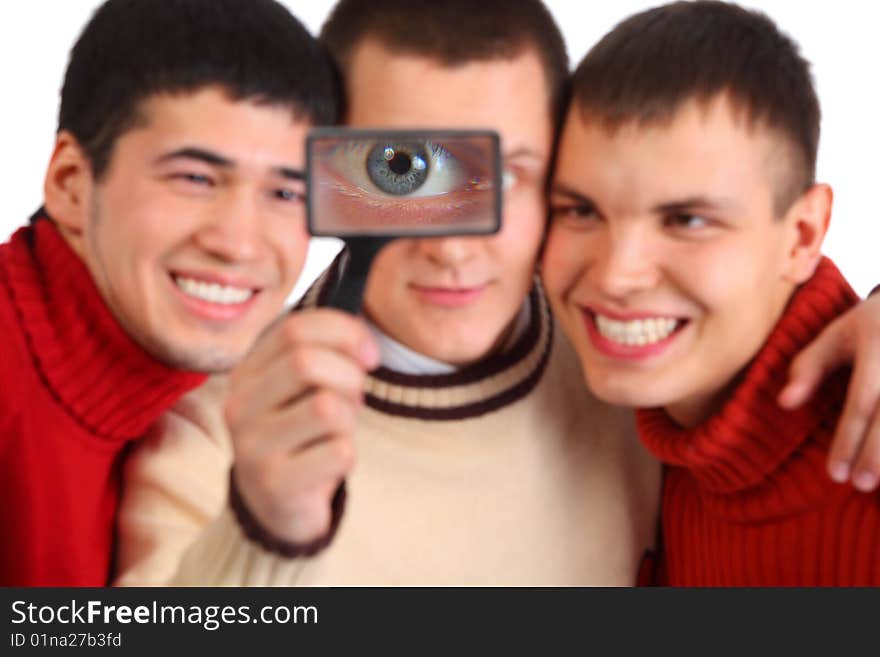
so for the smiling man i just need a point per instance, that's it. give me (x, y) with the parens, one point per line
(684, 262)
(171, 233)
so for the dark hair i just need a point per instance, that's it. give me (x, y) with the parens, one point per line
(453, 32)
(653, 62)
(133, 49)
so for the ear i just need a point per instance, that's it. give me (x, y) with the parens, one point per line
(67, 188)
(808, 218)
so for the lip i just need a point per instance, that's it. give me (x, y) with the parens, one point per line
(619, 351)
(449, 297)
(207, 310)
(219, 279)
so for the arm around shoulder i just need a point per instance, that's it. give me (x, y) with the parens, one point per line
(174, 485)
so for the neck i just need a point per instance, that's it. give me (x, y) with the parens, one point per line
(696, 409)
(398, 356)
(746, 434)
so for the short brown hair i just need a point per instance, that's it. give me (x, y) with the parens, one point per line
(453, 32)
(655, 61)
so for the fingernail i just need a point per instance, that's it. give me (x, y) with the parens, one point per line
(865, 481)
(839, 472)
(787, 396)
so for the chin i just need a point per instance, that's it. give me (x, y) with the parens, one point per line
(628, 394)
(455, 355)
(207, 360)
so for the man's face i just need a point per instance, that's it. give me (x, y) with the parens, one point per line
(196, 232)
(453, 298)
(665, 263)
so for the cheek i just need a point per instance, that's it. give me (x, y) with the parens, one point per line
(290, 242)
(388, 273)
(138, 221)
(565, 256)
(127, 241)
(522, 231)
(729, 276)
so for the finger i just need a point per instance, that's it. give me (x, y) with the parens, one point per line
(313, 418)
(295, 502)
(866, 472)
(323, 464)
(863, 396)
(324, 327)
(296, 372)
(831, 349)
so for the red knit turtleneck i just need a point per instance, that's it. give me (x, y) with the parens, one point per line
(746, 500)
(76, 391)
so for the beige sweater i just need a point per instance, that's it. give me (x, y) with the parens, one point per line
(507, 473)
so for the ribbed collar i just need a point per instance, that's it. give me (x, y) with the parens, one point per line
(751, 437)
(499, 380)
(104, 380)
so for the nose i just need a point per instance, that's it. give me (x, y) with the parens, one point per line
(232, 232)
(449, 251)
(626, 263)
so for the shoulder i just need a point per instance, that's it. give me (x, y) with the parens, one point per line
(192, 433)
(15, 355)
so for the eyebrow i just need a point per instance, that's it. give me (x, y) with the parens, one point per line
(689, 204)
(694, 203)
(217, 160)
(290, 174)
(565, 190)
(521, 152)
(200, 154)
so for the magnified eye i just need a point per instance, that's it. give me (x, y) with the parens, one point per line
(405, 169)
(403, 183)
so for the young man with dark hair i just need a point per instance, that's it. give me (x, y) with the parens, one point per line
(684, 263)
(172, 231)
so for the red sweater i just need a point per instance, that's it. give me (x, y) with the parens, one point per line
(75, 391)
(746, 498)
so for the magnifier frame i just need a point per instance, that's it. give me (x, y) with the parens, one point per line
(342, 133)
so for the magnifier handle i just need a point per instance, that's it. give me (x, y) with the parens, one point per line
(349, 292)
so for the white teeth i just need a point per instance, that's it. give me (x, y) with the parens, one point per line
(637, 332)
(213, 292)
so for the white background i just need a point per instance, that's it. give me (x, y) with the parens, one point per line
(840, 38)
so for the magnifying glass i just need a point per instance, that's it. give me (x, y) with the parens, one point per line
(369, 187)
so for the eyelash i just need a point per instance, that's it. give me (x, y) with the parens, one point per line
(575, 213)
(194, 178)
(683, 221)
(288, 195)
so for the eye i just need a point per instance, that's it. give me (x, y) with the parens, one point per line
(194, 178)
(578, 215)
(508, 179)
(404, 169)
(398, 169)
(687, 221)
(288, 195)
(408, 185)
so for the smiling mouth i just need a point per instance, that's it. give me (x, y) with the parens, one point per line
(636, 332)
(225, 295)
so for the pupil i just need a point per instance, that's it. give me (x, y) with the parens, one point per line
(400, 163)
(398, 168)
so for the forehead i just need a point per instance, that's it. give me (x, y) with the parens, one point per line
(388, 89)
(704, 147)
(209, 118)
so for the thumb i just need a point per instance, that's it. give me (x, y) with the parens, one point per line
(822, 356)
